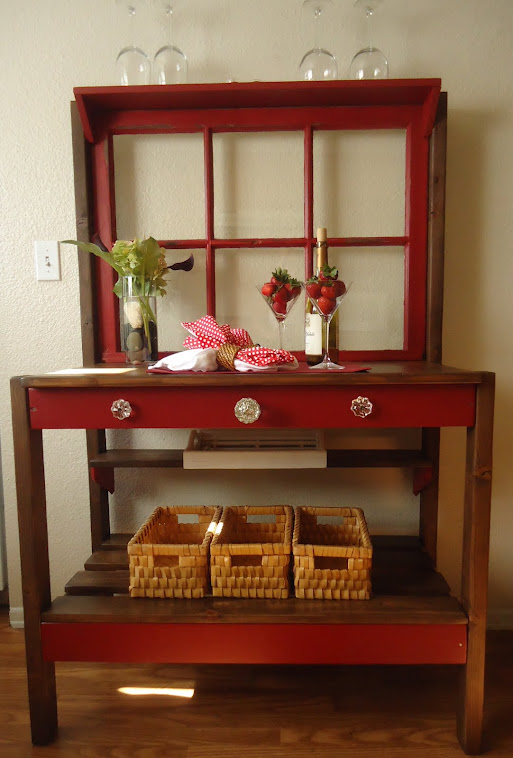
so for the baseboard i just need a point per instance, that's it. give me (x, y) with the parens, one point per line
(16, 617)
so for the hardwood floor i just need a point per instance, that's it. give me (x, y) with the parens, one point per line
(398, 712)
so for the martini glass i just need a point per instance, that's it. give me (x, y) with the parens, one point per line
(326, 311)
(281, 307)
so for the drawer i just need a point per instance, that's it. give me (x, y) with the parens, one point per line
(286, 406)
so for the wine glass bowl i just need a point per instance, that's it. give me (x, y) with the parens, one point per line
(318, 65)
(326, 301)
(170, 66)
(369, 63)
(280, 298)
(133, 66)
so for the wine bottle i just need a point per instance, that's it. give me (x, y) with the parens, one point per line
(314, 331)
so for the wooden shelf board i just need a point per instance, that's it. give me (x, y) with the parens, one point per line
(432, 609)
(336, 459)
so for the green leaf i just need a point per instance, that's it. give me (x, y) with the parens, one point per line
(90, 247)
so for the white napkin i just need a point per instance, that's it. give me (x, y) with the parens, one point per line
(200, 359)
(243, 366)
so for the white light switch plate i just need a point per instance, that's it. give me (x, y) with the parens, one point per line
(48, 265)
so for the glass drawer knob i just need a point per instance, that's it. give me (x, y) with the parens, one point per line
(247, 410)
(121, 409)
(361, 406)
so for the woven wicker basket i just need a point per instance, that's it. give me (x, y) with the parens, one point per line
(250, 554)
(168, 556)
(331, 561)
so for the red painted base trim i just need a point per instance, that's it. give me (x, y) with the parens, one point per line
(255, 643)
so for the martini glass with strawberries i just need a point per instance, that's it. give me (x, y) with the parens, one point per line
(325, 292)
(281, 293)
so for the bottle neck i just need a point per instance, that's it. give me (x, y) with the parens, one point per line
(321, 256)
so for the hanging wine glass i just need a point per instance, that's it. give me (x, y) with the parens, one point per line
(132, 64)
(369, 62)
(317, 64)
(326, 302)
(281, 298)
(170, 63)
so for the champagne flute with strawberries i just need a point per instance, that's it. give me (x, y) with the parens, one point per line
(325, 292)
(280, 293)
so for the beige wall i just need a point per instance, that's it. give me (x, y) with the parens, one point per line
(49, 46)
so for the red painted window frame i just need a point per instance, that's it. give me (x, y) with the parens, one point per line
(254, 107)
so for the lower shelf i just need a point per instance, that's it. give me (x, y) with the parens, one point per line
(411, 618)
(243, 642)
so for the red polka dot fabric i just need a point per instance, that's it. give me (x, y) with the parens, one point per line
(206, 332)
(265, 356)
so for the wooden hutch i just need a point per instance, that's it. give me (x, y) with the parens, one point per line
(412, 618)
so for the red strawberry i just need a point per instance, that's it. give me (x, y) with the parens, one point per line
(279, 306)
(340, 287)
(314, 290)
(329, 291)
(282, 294)
(268, 289)
(326, 305)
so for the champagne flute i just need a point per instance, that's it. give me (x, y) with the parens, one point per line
(132, 64)
(326, 307)
(281, 301)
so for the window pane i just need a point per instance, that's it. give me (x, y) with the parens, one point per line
(239, 276)
(159, 186)
(372, 314)
(359, 182)
(258, 182)
(185, 300)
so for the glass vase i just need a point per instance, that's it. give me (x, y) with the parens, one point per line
(138, 320)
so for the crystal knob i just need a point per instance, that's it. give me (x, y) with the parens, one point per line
(121, 409)
(247, 410)
(361, 406)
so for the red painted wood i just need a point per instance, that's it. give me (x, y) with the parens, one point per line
(417, 151)
(254, 120)
(104, 477)
(250, 243)
(210, 262)
(308, 201)
(422, 478)
(96, 104)
(407, 104)
(188, 407)
(255, 643)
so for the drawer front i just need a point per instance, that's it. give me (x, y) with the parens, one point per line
(285, 406)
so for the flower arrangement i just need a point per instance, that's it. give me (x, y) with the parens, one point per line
(141, 266)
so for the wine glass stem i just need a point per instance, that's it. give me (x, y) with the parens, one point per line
(326, 327)
(281, 329)
(133, 24)
(368, 27)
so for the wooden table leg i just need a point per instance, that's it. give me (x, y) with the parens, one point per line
(30, 487)
(476, 534)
